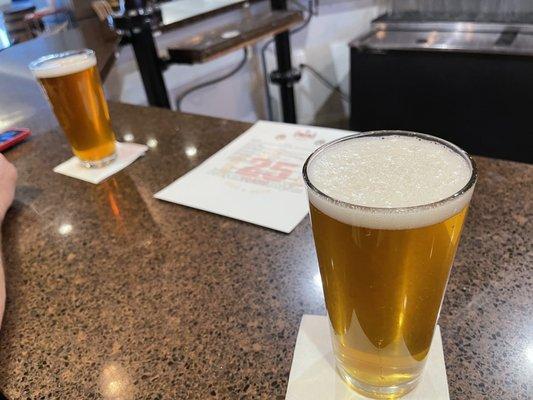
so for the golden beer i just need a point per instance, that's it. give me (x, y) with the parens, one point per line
(72, 84)
(385, 257)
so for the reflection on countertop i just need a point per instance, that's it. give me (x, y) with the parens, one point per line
(115, 382)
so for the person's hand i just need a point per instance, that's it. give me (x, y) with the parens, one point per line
(8, 178)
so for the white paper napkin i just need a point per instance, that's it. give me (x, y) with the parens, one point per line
(313, 375)
(126, 154)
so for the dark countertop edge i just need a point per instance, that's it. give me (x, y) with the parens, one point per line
(184, 113)
(250, 124)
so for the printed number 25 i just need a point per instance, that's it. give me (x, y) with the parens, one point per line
(268, 170)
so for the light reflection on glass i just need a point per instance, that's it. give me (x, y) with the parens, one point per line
(191, 151)
(317, 283)
(128, 137)
(65, 229)
(317, 280)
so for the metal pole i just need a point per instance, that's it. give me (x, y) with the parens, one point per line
(134, 22)
(283, 54)
(150, 66)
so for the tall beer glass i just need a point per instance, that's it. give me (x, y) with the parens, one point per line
(72, 85)
(387, 210)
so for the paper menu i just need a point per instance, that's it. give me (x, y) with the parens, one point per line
(256, 178)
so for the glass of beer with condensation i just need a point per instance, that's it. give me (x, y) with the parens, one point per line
(387, 209)
(72, 85)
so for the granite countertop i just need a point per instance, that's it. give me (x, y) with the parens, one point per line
(114, 294)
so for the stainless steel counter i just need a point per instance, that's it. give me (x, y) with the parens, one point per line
(474, 37)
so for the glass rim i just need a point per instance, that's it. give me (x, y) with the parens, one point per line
(379, 133)
(36, 64)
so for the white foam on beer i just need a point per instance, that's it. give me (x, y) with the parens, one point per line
(61, 66)
(389, 172)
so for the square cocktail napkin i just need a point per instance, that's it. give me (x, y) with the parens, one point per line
(314, 377)
(126, 154)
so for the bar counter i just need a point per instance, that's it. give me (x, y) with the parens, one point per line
(114, 293)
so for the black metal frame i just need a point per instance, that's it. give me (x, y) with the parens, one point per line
(150, 66)
(285, 71)
(135, 23)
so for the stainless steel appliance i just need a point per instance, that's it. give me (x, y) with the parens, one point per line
(468, 82)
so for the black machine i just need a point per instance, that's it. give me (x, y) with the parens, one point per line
(138, 18)
(470, 83)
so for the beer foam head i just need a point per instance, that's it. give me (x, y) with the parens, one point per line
(61, 64)
(397, 181)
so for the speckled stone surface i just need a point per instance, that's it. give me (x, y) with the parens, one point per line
(112, 292)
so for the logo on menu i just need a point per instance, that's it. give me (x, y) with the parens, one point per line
(307, 134)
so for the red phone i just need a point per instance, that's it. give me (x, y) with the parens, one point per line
(13, 136)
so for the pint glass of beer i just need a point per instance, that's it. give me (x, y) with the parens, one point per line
(387, 210)
(72, 85)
